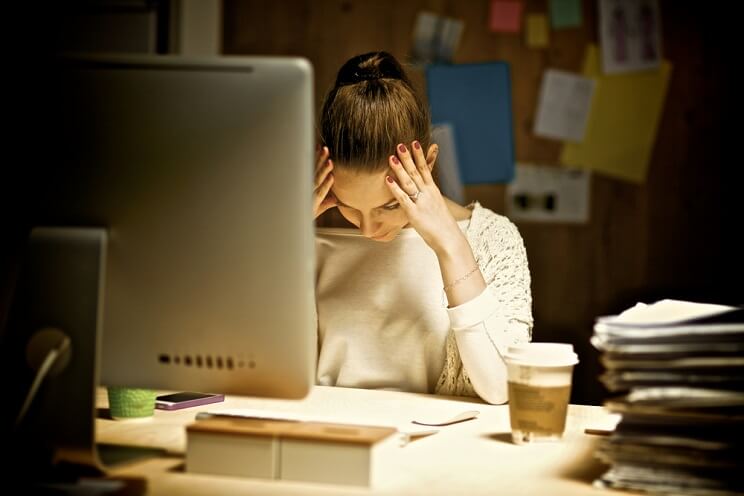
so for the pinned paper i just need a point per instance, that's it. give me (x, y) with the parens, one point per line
(563, 105)
(630, 35)
(623, 121)
(506, 16)
(435, 38)
(476, 100)
(548, 194)
(538, 31)
(448, 167)
(565, 14)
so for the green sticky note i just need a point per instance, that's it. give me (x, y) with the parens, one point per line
(565, 13)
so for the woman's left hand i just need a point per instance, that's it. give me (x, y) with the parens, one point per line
(421, 199)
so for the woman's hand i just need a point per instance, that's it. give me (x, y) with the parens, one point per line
(422, 201)
(323, 198)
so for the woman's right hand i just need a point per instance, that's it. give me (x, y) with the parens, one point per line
(323, 198)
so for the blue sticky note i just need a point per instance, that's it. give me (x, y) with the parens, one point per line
(476, 100)
(565, 13)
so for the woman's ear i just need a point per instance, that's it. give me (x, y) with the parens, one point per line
(431, 155)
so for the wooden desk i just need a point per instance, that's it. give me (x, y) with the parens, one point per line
(472, 457)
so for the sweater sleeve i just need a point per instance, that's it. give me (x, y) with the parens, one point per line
(484, 327)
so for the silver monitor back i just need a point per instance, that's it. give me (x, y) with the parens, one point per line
(201, 172)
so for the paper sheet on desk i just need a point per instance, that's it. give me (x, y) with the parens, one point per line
(407, 428)
(665, 312)
(672, 321)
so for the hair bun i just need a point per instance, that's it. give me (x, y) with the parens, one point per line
(366, 75)
(369, 66)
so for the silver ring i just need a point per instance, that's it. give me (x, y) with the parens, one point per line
(415, 195)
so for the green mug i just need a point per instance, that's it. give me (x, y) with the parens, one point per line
(128, 403)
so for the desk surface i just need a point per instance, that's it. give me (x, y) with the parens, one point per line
(471, 457)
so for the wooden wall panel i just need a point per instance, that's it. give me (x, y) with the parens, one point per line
(670, 237)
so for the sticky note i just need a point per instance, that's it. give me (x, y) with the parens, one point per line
(538, 31)
(565, 14)
(506, 16)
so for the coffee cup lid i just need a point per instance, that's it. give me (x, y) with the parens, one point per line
(542, 354)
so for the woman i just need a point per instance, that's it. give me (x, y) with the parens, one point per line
(426, 295)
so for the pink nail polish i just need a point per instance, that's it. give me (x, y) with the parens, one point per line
(389, 179)
(395, 160)
(417, 145)
(402, 148)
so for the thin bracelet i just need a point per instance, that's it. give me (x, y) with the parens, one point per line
(458, 281)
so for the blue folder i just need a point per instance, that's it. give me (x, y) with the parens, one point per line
(476, 100)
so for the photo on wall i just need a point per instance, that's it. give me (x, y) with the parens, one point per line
(630, 35)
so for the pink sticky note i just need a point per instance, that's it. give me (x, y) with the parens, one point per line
(506, 16)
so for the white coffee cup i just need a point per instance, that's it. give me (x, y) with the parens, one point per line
(539, 377)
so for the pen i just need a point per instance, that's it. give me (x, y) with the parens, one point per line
(598, 432)
(407, 437)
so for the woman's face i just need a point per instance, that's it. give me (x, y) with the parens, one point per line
(365, 200)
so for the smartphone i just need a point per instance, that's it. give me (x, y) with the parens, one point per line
(186, 399)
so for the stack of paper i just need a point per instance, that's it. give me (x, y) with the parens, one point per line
(681, 367)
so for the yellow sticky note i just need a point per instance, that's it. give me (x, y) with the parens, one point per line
(537, 32)
(622, 124)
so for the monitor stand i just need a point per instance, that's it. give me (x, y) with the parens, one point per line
(58, 304)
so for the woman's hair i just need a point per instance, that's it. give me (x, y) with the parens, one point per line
(371, 108)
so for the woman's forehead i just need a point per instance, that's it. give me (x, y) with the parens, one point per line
(362, 189)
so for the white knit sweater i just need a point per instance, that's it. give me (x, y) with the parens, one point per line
(383, 321)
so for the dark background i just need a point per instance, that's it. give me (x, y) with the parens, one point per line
(676, 236)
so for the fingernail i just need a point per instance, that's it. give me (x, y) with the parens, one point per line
(395, 160)
(416, 145)
(402, 148)
(389, 179)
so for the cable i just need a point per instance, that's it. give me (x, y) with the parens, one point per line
(46, 365)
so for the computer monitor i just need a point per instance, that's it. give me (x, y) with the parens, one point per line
(199, 172)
